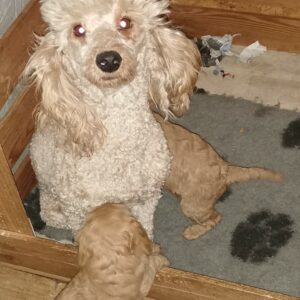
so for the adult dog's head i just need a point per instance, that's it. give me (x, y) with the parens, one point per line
(106, 43)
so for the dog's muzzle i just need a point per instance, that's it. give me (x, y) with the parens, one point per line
(108, 61)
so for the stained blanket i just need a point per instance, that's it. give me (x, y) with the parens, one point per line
(258, 241)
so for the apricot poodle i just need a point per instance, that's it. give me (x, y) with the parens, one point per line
(117, 259)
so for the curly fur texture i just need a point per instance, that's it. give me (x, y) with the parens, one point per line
(96, 140)
(117, 260)
(200, 177)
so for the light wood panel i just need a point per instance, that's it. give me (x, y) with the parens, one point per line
(279, 8)
(43, 256)
(54, 260)
(17, 127)
(169, 282)
(12, 213)
(278, 33)
(15, 48)
(25, 178)
(19, 285)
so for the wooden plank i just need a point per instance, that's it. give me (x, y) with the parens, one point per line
(55, 260)
(18, 285)
(202, 287)
(15, 47)
(279, 8)
(276, 33)
(17, 127)
(46, 257)
(25, 178)
(12, 213)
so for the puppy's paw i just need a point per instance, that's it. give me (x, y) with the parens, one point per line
(195, 231)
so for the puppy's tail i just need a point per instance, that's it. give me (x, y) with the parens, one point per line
(241, 174)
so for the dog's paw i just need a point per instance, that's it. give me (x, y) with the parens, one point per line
(261, 236)
(196, 230)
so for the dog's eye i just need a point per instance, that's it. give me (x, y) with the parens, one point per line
(79, 31)
(124, 23)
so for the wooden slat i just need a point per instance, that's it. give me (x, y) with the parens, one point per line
(17, 127)
(203, 287)
(19, 285)
(46, 257)
(58, 261)
(15, 48)
(278, 33)
(279, 8)
(25, 178)
(12, 213)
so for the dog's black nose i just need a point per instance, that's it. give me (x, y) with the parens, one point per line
(109, 61)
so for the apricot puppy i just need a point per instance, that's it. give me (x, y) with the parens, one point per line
(117, 259)
(200, 176)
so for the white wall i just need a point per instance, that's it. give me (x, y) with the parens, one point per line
(9, 10)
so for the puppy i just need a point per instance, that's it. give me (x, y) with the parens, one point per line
(200, 177)
(117, 260)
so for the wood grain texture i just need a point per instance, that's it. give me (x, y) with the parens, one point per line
(20, 285)
(25, 178)
(15, 48)
(197, 286)
(54, 260)
(12, 213)
(46, 257)
(279, 8)
(17, 127)
(278, 33)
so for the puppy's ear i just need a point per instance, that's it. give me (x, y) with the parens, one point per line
(137, 240)
(174, 66)
(60, 100)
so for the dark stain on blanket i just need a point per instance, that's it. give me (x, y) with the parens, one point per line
(261, 236)
(291, 135)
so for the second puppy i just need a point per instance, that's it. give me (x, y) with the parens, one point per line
(117, 260)
(200, 177)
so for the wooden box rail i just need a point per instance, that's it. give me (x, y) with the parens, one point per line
(18, 245)
(274, 23)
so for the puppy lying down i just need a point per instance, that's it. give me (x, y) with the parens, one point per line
(117, 259)
(199, 176)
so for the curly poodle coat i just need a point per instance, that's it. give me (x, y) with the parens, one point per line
(96, 139)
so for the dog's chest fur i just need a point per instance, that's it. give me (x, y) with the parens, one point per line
(131, 166)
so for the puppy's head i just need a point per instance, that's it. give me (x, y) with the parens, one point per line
(111, 230)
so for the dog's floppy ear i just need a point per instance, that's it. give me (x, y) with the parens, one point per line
(174, 66)
(60, 100)
(137, 240)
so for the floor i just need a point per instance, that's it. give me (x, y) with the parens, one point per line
(272, 79)
(19, 285)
